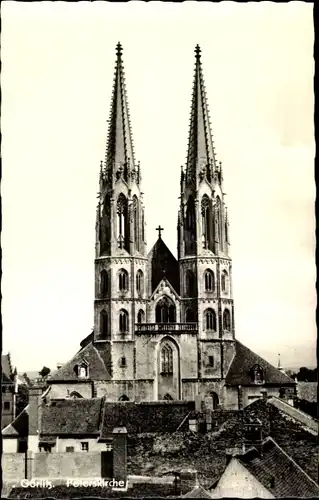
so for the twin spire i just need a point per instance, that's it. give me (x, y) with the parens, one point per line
(201, 158)
(119, 149)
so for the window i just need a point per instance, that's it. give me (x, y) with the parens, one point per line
(209, 281)
(69, 449)
(190, 283)
(122, 222)
(257, 374)
(226, 320)
(81, 370)
(46, 447)
(140, 316)
(123, 321)
(218, 221)
(103, 323)
(139, 281)
(4, 388)
(136, 222)
(211, 360)
(210, 320)
(123, 280)
(205, 207)
(124, 398)
(6, 405)
(189, 315)
(165, 311)
(85, 446)
(224, 281)
(123, 362)
(167, 359)
(104, 285)
(190, 236)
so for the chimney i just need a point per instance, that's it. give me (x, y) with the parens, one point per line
(35, 404)
(264, 394)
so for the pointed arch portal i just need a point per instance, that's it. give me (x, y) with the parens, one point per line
(168, 370)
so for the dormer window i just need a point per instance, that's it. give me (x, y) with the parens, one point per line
(82, 370)
(257, 374)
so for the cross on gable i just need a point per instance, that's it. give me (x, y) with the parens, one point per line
(159, 229)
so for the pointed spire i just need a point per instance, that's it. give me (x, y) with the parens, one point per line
(200, 145)
(119, 150)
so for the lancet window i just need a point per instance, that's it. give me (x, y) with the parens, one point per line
(122, 222)
(167, 359)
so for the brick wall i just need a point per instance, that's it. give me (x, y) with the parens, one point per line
(67, 465)
(13, 466)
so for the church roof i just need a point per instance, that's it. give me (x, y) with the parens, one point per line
(239, 372)
(278, 472)
(163, 265)
(89, 354)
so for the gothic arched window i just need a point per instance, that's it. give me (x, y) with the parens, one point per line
(190, 225)
(210, 320)
(224, 281)
(123, 280)
(189, 315)
(206, 222)
(122, 222)
(123, 321)
(190, 283)
(136, 222)
(167, 359)
(226, 320)
(103, 323)
(165, 311)
(143, 235)
(104, 283)
(218, 219)
(139, 281)
(209, 281)
(140, 316)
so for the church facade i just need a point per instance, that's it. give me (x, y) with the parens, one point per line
(164, 328)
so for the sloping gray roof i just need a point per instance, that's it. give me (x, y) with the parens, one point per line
(239, 372)
(6, 368)
(163, 265)
(197, 492)
(20, 425)
(72, 416)
(277, 472)
(97, 368)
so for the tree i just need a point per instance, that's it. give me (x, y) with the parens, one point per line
(44, 372)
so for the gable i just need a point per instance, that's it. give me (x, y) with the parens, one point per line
(165, 288)
(88, 355)
(163, 265)
(239, 372)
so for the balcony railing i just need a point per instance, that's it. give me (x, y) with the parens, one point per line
(165, 327)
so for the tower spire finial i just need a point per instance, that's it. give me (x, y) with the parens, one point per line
(197, 52)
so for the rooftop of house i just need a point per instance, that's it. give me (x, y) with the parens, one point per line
(19, 427)
(240, 371)
(277, 471)
(197, 492)
(6, 369)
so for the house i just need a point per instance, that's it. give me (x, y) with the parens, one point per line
(9, 390)
(265, 471)
(164, 328)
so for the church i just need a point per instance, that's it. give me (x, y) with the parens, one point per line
(164, 328)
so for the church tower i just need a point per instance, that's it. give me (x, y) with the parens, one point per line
(120, 260)
(205, 266)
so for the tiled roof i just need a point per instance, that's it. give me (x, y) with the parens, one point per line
(72, 416)
(97, 368)
(277, 472)
(239, 372)
(144, 417)
(197, 492)
(19, 427)
(163, 265)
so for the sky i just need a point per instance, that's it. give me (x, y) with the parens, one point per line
(57, 71)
